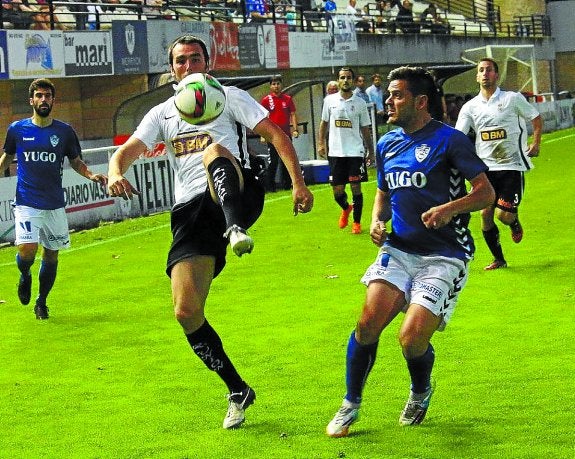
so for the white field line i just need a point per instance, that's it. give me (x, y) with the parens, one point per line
(152, 228)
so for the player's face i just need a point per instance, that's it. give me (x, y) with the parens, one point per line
(345, 81)
(400, 104)
(486, 75)
(187, 59)
(42, 102)
(276, 87)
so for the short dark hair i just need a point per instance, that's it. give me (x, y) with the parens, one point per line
(347, 69)
(375, 75)
(275, 78)
(489, 59)
(421, 82)
(41, 83)
(188, 40)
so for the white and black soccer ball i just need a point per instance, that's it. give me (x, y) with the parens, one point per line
(199, 98)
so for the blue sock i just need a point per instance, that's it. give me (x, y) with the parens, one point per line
(420, 371)
(46, 278)
(24, 265)
(359, 362)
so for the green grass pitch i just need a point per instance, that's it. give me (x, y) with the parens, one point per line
(110, 375)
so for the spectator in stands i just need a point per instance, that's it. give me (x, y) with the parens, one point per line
(291, 18)
(375, 93)
(359, 90)
(41, 18)
(257, 11)
(383, 16)
(282, 112)
(311, 13)
(15, 15)
(94, 17)
(432, 20)
(329, 6)
(404, 18)
(362, 23)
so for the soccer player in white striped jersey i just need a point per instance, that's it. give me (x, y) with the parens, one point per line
(217, 198)
(419, 221)
(499, 120)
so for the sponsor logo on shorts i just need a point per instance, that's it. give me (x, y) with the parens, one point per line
(63, 238)
(429, 289)
(495, 134)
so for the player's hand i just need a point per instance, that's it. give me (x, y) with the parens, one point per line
(121, 187)
(378, 233)
(533, 151)
(100, 178)
(302, 199)
(321, 152)
(436, 217)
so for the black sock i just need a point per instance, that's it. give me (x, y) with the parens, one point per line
(226, 182)
(420, 371)
(357, 207)
(342, 201)
(492, 239)
(208, 347)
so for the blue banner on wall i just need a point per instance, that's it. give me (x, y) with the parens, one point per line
(130, 47)
(3, 56)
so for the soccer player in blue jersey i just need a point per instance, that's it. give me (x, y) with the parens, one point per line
(40, 144)
(419, 221)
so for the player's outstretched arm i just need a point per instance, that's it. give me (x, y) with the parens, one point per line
(81, 168)
(302, 197)
(118, 185)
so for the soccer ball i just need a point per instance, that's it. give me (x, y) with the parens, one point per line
(199, 98)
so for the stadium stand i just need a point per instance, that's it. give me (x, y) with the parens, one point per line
(462, 17)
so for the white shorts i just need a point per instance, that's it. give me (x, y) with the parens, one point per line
(46, 227)
(433, 282)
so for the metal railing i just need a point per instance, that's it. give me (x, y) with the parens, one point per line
(473, 19)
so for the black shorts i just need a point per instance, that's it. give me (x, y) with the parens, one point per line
(198, 225)
(343, 170)
(508, 186)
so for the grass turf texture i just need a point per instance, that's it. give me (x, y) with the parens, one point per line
(110, 375)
